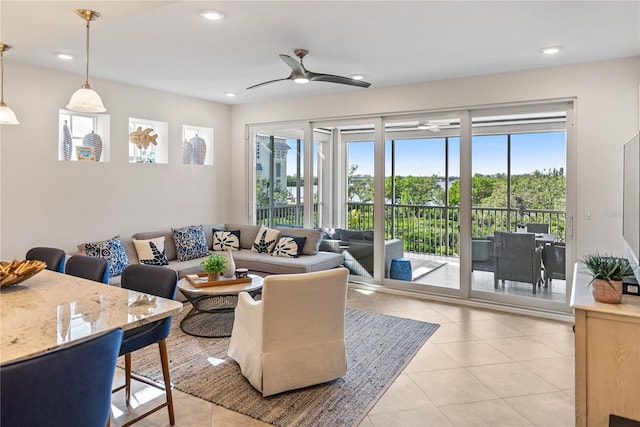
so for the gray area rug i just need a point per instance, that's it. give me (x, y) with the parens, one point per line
(378, 349)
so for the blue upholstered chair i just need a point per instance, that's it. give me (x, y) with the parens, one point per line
(53, 257)
(161, 282)
(88, 267)
(68, 386)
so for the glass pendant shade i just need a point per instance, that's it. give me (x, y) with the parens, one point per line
(7, 116)
(86, 100)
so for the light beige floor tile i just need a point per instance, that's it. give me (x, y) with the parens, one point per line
(451, 386)
(564, 342)
(510, 379)
(473, 353)
(548, 409)
(366, 422)
(427, 315)
(451, 332)
(461, 314)
(403, 394)
(522, 348)
(494, 328)
(430, 358)
(494, 413)
(528, 325)
(424, 417)
(559, 371)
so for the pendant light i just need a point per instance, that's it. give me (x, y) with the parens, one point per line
(7, 117)
(85, 99)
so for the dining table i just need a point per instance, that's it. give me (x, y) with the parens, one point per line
(51, 309)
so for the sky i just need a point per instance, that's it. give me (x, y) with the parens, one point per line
(426, 157)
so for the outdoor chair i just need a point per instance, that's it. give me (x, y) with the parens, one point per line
(518, 258)
(538, 228)
(68, 386)
(553, 258)
(482, 256)
(88, 267)
(53, 257)
(162, 282)
(294, 336)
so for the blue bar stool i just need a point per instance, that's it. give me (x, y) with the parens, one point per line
(401, 269)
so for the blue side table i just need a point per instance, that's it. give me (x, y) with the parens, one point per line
(401, 269)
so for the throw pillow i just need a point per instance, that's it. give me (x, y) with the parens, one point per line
(151, 252)
(226, 240)
(265, 240)
(111, 250)
(190, 242)
(289, 247)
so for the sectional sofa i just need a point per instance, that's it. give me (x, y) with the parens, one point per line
(122, 251)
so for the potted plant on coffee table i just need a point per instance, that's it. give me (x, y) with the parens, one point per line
(607, 273)
(213, 266)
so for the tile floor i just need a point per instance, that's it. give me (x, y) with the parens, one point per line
(481, 368)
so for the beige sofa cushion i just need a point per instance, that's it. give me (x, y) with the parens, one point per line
(314, 237)
(248, 234)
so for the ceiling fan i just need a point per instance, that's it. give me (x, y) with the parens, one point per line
(301, 75)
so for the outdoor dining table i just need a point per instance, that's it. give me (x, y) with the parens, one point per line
(52, 309)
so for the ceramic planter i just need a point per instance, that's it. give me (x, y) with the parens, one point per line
(603, 292)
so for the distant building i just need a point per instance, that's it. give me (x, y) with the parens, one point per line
(265, 159)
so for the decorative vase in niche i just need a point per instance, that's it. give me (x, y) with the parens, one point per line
(604, 292)
(93, 140)
(199, 150)
(230, 266)
(187, 152)
(66, 143)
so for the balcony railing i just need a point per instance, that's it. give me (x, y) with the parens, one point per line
(425, 229)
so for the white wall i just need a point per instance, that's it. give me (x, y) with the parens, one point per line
(606, 116)
(56, 203)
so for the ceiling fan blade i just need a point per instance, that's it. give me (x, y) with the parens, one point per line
(270, 81)
(336, 79)
(296, 66)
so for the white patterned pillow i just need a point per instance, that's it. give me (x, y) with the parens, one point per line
(190, 242)
(265, 240)
(151, 252)
(226, 240)
(289, 247)
(111, 250)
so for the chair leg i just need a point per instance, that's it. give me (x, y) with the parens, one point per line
(127, 377)
(164, 359)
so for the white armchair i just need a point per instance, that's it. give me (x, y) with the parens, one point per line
(294, 336)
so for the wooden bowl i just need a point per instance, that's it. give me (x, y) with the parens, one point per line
(14, 272)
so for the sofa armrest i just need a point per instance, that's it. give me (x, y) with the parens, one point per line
(330, 245)
(393, 248)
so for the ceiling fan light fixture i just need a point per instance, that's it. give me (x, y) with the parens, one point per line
(212, 15)
(7, 116)
(85, 99)
(551, 50)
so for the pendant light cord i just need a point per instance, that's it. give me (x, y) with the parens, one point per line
(1, 75)
(86, 78)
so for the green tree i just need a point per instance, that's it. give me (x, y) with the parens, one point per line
(360, 187)
(263, 186)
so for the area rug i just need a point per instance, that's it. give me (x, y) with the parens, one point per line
(422, 267)
(378, 349)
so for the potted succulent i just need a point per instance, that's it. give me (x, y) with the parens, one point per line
(607, 273)
(213, 266)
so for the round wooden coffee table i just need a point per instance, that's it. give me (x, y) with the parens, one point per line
(212, 311)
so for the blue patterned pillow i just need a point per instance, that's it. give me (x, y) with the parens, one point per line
(190, 242)
(289, 247)
(111, 250)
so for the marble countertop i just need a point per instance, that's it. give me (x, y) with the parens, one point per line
(51, 309)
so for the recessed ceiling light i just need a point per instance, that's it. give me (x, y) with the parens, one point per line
(357, 77)
(551, 50)
(212, 15)
(64, 56)
(230, 94)
(301, 80)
